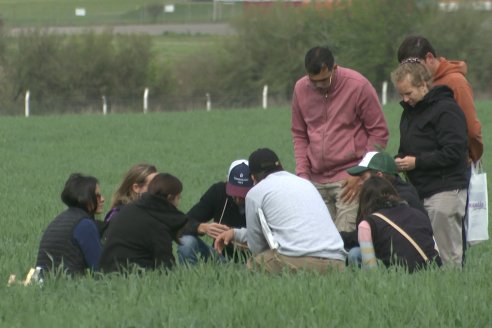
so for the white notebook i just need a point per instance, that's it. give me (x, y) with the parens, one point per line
(266, 230)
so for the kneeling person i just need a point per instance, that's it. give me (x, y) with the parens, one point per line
(295, 218)
(379, 164)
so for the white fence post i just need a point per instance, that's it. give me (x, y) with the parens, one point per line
(209, 102)
(384, 93)
(26, 103)
(146, 101)
(214, 11)
(105, 105)
(217, 10)
(265, 96)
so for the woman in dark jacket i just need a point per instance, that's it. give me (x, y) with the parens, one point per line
(433, 153)
(378, 239)
(142, 232)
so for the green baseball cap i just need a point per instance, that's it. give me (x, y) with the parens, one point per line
(378, 161)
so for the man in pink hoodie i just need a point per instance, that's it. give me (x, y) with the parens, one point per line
(452, 74)
(336, 120)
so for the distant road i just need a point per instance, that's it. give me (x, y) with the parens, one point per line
(158, 29)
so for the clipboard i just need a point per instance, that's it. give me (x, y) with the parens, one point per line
(266, 231)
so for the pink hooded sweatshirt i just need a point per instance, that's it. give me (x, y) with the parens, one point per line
(333, 131)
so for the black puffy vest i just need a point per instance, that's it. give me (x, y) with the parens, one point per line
(57, 246)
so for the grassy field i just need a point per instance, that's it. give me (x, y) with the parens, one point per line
(39, 153)
(171, 47)
(21, 13)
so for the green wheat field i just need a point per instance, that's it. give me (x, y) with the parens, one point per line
(38, 154)
(39, 13)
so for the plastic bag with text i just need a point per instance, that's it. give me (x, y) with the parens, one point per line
(477, 220)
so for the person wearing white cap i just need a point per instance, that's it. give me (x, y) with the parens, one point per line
(223, 204)
(288, 224)
(381, 164)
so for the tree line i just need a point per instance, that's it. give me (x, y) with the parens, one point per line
(72, 73)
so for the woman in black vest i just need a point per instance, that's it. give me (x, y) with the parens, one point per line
(142, 232)
(381, 240)
(71, 241)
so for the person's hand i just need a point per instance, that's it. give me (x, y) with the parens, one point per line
(406, 163)
(212, 229)
(223, 240)
(351, 188)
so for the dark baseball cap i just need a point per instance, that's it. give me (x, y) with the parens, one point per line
(264, 160)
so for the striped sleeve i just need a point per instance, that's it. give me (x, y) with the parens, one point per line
(366, 246)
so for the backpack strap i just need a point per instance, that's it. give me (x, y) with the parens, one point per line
(403, 233)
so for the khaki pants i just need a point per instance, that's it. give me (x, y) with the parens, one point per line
(446, 211)
(343, 214)
(274, 262)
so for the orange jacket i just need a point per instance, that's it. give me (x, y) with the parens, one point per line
(452, 74)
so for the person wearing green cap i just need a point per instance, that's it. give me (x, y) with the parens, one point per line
(381, 164)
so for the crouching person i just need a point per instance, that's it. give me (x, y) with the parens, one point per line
(224, 204)
(288, 226)
(142, 232)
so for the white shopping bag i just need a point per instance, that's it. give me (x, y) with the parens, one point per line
(477, 221)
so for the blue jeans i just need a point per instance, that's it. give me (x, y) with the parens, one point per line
(192, 249)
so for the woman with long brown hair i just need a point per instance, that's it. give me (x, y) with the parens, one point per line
(391, 231)
(134, 184)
